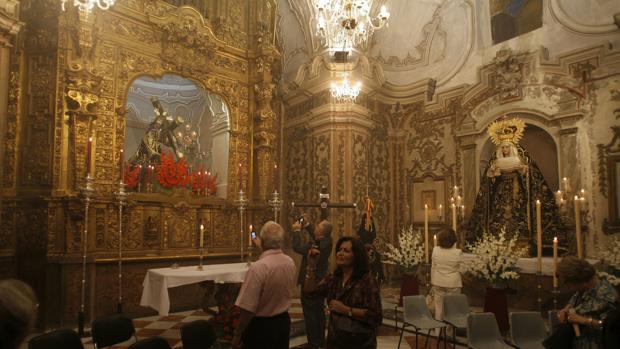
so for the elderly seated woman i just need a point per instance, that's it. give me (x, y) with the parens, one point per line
(593, 301)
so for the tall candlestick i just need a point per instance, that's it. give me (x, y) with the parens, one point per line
(202, 236)
(453, 217)
(121, 163)
(578, 227)
(426, 233)
(240, 177)
(555, 262)
(538, 238)
(89, 148)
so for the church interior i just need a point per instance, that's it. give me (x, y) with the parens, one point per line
(139, 136)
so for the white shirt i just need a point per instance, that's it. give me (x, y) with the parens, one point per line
(445, 269)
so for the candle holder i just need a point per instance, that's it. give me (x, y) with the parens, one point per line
(121, 196)
(242, 204)
(250, 253)
(539, 290)
(202, 253)
(555, 292)
(276, 204)
(427, 276)
(87, 193)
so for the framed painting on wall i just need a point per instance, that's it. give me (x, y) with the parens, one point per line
(431, 191)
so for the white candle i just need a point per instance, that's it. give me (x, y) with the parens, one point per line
(538, 238)
(426, 233)
(202, 236)
(250, 236)
(453, 217)
(440, 211)
(434, 240)
(578, 227)
(555, 262)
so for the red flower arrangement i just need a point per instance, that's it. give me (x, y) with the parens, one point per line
(170, 173)
(203, 182)
(131, 176)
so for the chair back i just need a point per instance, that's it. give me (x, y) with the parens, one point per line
(527, 329)
(455, 309)
(110, 330)
(553, 319)
(415, 308)
(151, 343)
(66, 339)
(482, 331)
(197, 334)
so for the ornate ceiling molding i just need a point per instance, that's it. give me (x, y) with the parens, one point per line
(572, 24)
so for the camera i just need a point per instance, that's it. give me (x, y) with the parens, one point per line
(253, 235)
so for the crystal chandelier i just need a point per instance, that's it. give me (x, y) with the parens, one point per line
(344, 24)
(345, 92)
(88, 5)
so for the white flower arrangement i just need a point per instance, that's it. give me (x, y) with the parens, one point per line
(610, 261)
(496, 258)
(410, 250)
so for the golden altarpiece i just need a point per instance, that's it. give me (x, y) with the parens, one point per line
(69, 79)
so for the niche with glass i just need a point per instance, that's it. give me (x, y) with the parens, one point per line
(177, 138)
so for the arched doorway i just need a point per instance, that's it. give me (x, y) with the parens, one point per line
(200, 123)
(541, 147)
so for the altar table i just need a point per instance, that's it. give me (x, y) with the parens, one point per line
(528, 265)
(158, 281)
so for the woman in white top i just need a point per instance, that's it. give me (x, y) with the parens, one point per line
(445, 270)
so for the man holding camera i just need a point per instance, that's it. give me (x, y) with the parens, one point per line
(304, 238)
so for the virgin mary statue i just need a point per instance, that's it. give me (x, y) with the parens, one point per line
(511, 184)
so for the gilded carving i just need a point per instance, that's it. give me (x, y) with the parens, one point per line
(10, 141)
(132, 31)
(322, 162)
(509, 75)
(299, 146)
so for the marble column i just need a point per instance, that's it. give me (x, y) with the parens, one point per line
(569, 161)
(470, 184)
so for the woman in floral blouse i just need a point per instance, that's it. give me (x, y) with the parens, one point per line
(593, 300)
(352, 296)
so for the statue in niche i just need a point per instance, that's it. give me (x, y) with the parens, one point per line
(151, 232)
(511, 184)
(159, 133)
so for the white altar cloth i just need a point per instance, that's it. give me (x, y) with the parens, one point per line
(528, 265)
(158, 281)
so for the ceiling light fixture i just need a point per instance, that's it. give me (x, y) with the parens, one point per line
(347, 23)
(88, 5)
(345, 92)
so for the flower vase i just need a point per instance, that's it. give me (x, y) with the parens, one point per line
(408, 287)
(496, 302)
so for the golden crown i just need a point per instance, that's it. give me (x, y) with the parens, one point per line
(506, 130)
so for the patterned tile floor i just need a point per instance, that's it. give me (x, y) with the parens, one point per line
(169, 326)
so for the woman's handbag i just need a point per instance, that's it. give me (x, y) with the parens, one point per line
(350, 332)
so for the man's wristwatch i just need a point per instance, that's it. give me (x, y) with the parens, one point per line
(350, 312)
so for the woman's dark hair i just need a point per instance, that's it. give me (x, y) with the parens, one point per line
(575, 271)
(360, 257)
(446, 238)
(18, 311)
